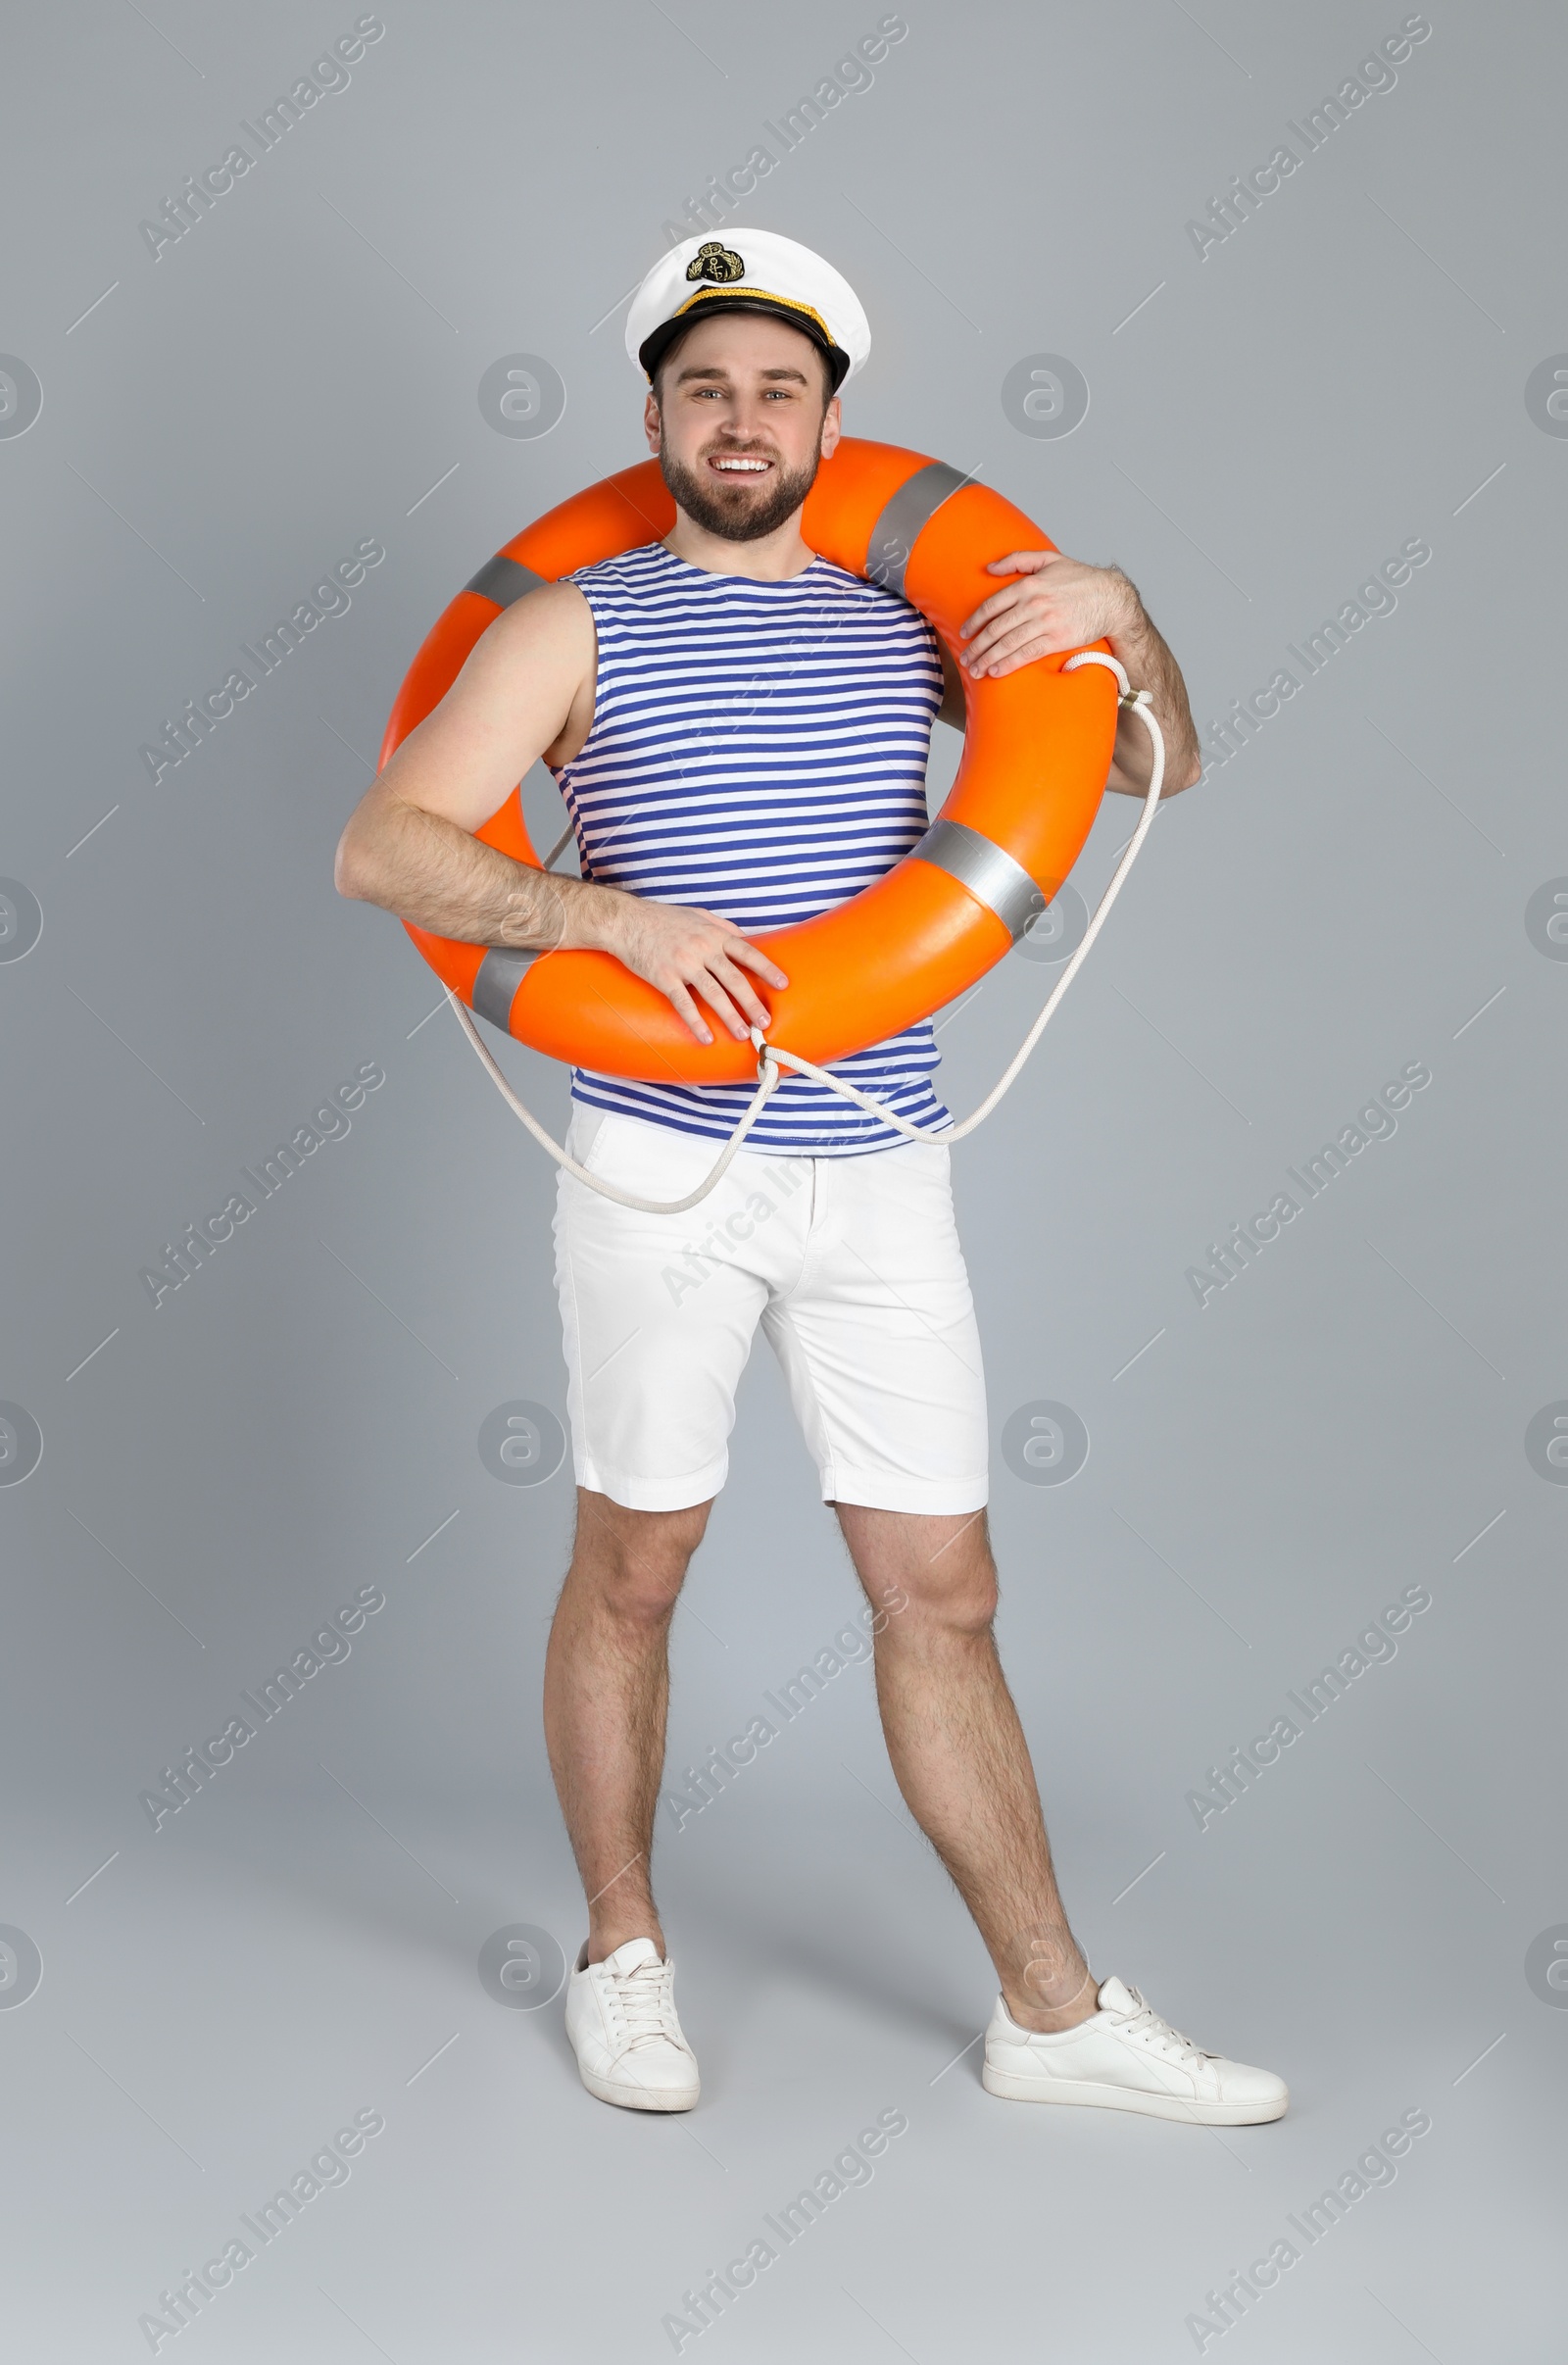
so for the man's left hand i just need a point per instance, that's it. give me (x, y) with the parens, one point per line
(1058, 603)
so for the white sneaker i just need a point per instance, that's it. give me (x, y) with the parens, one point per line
(1125, 2057)
(621, 2017)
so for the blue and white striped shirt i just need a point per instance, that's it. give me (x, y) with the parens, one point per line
(757, 749)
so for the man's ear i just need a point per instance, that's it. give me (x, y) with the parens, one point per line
(653, 425)
(832, 428)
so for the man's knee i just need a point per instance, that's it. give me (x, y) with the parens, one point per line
(636, 1559)
(964, 1599)
(924, 1570)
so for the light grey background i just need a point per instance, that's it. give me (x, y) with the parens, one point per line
(1266, 424)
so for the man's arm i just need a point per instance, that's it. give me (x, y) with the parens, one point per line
(409, 845)
(1058, 603)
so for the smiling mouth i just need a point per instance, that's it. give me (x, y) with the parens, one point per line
(738, 466)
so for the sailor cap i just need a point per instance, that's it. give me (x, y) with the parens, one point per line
(747, 271)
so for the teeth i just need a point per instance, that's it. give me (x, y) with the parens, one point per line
(749, 468)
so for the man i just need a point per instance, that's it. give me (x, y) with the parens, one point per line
(741, 730)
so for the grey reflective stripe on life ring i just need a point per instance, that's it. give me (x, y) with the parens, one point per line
(501, 973)
(988, 872)
(898, 530)
(503, 580)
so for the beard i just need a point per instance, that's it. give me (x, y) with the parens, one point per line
(740, 510)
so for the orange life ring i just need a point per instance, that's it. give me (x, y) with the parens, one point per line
(1037, 750)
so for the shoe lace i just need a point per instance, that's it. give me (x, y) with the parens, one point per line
(1149, 2028)
(643, 2001)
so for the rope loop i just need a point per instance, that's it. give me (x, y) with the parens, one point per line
(770, 1056)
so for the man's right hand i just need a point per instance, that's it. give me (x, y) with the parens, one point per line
(684, 951)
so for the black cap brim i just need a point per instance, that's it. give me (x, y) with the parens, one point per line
(653, 348)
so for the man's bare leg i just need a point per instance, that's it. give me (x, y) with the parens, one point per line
(959, 1751)
(606, 1695)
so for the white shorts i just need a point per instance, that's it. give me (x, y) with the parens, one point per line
(852, 1265)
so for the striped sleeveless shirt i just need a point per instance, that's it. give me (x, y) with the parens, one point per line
(757, 749)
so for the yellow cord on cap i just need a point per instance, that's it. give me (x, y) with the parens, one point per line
(705, 293)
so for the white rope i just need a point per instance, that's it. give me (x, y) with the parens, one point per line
(768, 1071)
(768, 1085)
(1135, 703)
(771, 1055)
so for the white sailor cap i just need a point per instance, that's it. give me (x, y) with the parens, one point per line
(747, 271)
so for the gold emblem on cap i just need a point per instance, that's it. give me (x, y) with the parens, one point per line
(716, 261)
